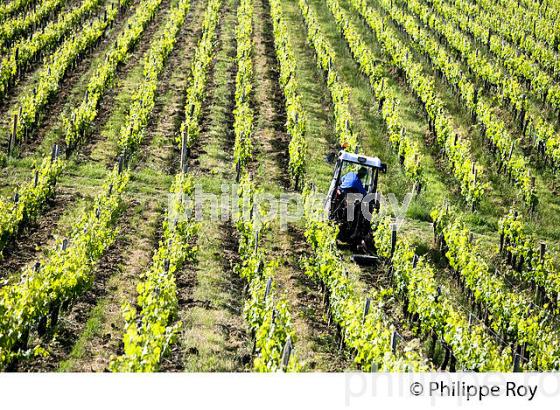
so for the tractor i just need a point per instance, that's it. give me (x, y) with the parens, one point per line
(349, 209)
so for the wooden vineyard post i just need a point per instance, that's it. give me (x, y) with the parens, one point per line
(533, 201)
(539, 291)
(268, 288)
(446, 358)
(542, 251)
(121, 164)
(502, 238)
(12, 142)
(286, 353)
(394, 340)
(17, 59)
(54, 153)
(257, 240)
(475, 176)
(438, 294)
(366, 310)
(393, 239)
(184, 153)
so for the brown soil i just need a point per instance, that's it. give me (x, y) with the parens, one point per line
(34, 237)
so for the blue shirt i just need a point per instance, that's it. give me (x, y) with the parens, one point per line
(351, 182)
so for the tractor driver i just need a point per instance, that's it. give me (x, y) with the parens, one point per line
(352, 182)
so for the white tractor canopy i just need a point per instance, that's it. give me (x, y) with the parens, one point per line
(363, 160)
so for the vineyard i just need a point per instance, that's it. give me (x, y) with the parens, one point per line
(115, 115)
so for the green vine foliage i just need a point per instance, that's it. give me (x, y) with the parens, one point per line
(296, 117)
(529, 265)
(338, 90)
(33, 103)
(24, 24)
(143, 99)
(407, 149)
(62, 274)
(511, 163)
(415, 282)
(9, 8)
(243, 113)
(196, 91)
(24, 51)
(511, 315)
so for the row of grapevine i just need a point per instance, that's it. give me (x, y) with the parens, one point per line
(149, 328)
(22, 54)
(543, 8)
(531, 263)
(149, 331)
(457, 150)
(33, 103)
(12, 29)
(266, 313)
(546, 141)
(366, 332)
(339, 91)
(296, 118)
(30, 199)
(243, 114)
(196, 91)
(407, 149)
(15, 6)
(509, 313)
(472, 349)
(268, 317)
(66, 270)
(513, 164)
(361, 321)
(82, 117)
